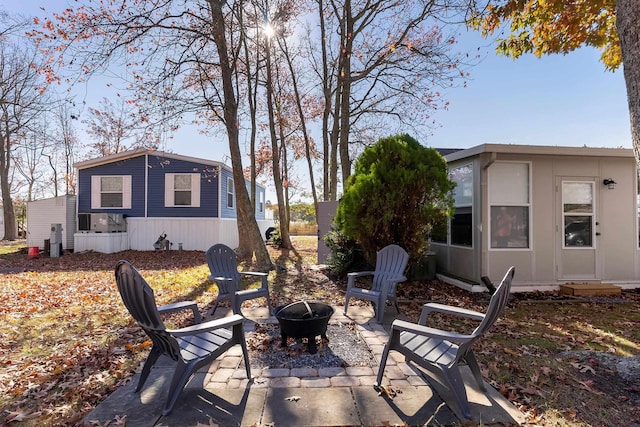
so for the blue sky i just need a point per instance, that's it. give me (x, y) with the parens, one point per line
(567, 100)
(555, 100)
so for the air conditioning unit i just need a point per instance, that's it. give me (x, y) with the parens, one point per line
(108, 223)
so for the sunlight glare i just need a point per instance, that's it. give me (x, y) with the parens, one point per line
(269, 31)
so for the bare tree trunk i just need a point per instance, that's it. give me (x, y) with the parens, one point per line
(326, 112)
(252, 90)
(275, 157)
(345, 96)
(10, 232)
(285, 232)
(303, 125)
(69, 141)
(250, 239)
(628, 25)
(54, 178)
(333, 144)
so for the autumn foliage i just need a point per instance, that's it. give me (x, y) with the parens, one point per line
(553, 26)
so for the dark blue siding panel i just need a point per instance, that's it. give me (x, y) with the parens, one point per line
(227, 212)
(259, 191)
(133, 166)
(158, 166)
(233, 213)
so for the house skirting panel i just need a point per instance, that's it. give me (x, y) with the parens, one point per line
(106, 243)
(192, 234)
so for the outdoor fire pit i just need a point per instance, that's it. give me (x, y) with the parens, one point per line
(304, 319)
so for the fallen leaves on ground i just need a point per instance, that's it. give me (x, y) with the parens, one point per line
(387, 391)
(67, 342)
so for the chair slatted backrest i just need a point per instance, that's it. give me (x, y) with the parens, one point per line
(223, 262)
(140, 301)
(496, 306)
(391, 261)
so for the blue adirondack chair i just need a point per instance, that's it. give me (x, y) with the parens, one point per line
(223, 265)
(442, 352)
(391, 262)
(191, 347)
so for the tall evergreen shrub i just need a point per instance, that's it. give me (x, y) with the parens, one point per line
(399, 189)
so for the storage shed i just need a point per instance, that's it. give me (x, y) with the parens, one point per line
(41, 214)
(560, 215)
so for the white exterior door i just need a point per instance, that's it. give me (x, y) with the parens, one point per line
(577, 229)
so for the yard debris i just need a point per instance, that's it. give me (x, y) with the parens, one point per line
(293, 398)
(387, 391)
(80, 361)
(583, 368)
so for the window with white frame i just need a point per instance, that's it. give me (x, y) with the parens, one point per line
(111, 191)
(182, 190)
(461, 225)
(509, 205)
(261, 202)
(231, 193)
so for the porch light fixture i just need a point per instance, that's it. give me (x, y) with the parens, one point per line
(610, 183)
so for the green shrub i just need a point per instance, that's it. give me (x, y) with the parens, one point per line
(276, 238)
(346, 255)
(399, 189)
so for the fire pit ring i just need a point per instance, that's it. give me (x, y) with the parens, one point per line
(304, 319)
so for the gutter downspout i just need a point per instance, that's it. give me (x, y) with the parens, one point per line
(484, 253)
(146, 185)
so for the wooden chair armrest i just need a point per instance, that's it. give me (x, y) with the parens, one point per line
(179, 306)
(432, 307)
(403, 326)
(212, 325)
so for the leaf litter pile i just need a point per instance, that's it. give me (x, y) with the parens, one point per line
(67, 342)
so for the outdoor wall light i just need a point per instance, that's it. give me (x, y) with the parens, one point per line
(610, 183)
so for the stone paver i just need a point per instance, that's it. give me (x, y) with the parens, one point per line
(367, 380)
(394, 373)
(416, 380)
(275, 372)
(230, 362)
(222, 375)
(284, 382)
(315, 382)
(345, 381)
(304, 372)
(359, 371)
(331, 372)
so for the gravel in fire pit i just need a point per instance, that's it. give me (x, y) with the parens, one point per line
(345, 348)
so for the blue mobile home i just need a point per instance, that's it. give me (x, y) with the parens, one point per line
(127, 200)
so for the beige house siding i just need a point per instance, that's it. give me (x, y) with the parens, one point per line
(546, 263)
